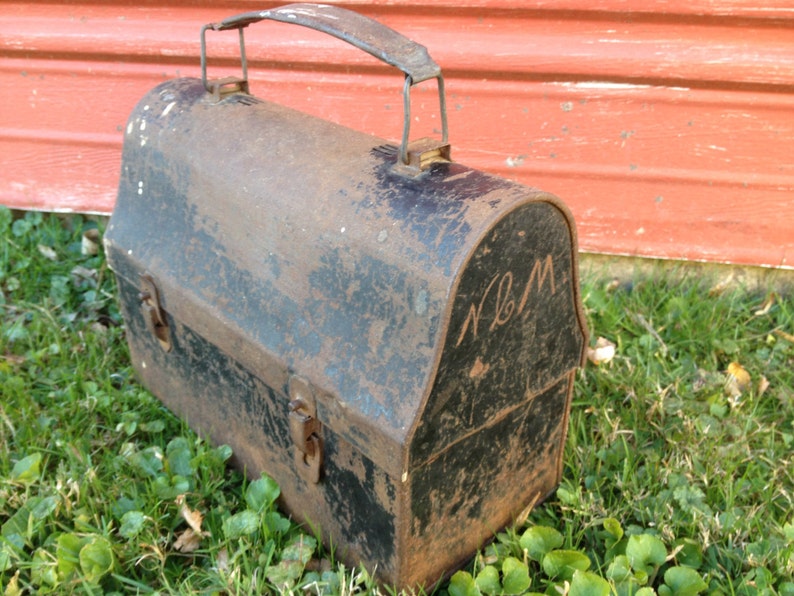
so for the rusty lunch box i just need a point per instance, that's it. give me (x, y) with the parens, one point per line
(390, 335)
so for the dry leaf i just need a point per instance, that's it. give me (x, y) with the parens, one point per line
(12, 587)
(98, 328)
(765, 308)
(721, 286)
(48, 252)
(188, 541)
(737, 380)
(784, 335)
(521, 519)
(222, 561)
(742, 376)
(90, 243)
(489, 557)
(193, 518)
(13, 359)
(603, 352)
(763, 385)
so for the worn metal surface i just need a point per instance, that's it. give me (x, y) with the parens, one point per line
(396, 349)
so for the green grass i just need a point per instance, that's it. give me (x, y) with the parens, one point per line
(675, 481)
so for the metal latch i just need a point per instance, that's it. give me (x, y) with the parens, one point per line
(305, 430)
(153, 313)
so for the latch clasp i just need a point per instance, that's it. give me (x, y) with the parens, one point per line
(153, 313)
(305, 430)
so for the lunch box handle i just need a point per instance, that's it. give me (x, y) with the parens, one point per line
(366, 34)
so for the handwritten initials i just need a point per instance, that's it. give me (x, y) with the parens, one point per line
(504, 307)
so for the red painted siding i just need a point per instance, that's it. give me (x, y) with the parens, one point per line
(667, 127)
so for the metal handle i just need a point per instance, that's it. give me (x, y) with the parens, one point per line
(366, 34)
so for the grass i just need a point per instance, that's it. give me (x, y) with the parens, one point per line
(679, 465)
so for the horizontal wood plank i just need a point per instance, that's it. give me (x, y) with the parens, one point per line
(664, 126)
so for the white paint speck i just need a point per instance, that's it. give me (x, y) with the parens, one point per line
(129, 128)
(602, 85)
(145, 108)
(420, 302)
(143, 124)
(342, 230)
(382, 235)
(405, 477)
(129, 252)
(168, 108)
(140, 187)
(143, 363)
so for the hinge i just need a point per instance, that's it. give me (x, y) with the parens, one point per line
(305, 430)
(153, 313)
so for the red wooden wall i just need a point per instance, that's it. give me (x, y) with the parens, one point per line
(667, 127)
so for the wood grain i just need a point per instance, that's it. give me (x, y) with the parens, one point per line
(666, 127)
